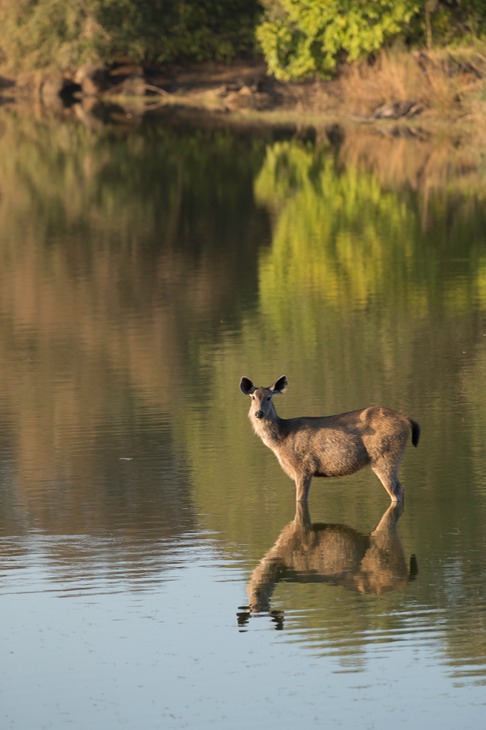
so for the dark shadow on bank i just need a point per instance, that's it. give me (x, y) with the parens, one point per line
(339, 555)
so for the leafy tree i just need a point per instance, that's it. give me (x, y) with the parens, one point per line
(41, 33)
(302, 38)
(299, 38)
(451, 21)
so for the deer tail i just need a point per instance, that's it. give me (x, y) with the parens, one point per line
(415, 432)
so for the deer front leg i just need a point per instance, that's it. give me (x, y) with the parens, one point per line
(302, 488)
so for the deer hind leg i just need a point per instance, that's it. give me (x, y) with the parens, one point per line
(388, 476)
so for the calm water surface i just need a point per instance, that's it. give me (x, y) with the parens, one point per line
(154, 571)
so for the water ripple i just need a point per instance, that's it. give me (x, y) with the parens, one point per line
(78, 565)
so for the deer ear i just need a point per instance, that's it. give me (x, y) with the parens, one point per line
(246, 386)
(280, 385)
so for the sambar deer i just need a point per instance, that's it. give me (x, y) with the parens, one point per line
(331, 446)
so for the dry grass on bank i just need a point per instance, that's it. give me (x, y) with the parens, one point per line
(447, 85)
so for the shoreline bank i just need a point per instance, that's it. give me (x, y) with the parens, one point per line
(243, 93)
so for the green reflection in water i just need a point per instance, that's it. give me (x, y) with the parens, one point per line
(362, 301)
(344, 238)
(145, 270)
(358, 303)
(119, 251)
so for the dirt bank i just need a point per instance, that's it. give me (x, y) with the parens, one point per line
(414, 95)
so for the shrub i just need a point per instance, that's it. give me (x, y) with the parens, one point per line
(302, 38)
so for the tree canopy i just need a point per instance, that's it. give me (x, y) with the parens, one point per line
(298, 38)
(303, 38)
(40, 33)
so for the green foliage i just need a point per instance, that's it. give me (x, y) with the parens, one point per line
(452, 22)
(35, 33)
(302, 38)
(299, 38)
(42, 33)
(305, 38)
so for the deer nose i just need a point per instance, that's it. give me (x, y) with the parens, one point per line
(259, 414)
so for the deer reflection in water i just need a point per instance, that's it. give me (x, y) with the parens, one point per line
(371, 563)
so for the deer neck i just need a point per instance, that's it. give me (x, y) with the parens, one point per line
(270, 430)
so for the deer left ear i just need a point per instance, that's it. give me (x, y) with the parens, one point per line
(280, 385)
(246, 386)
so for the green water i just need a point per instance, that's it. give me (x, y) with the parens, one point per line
(143, 271)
